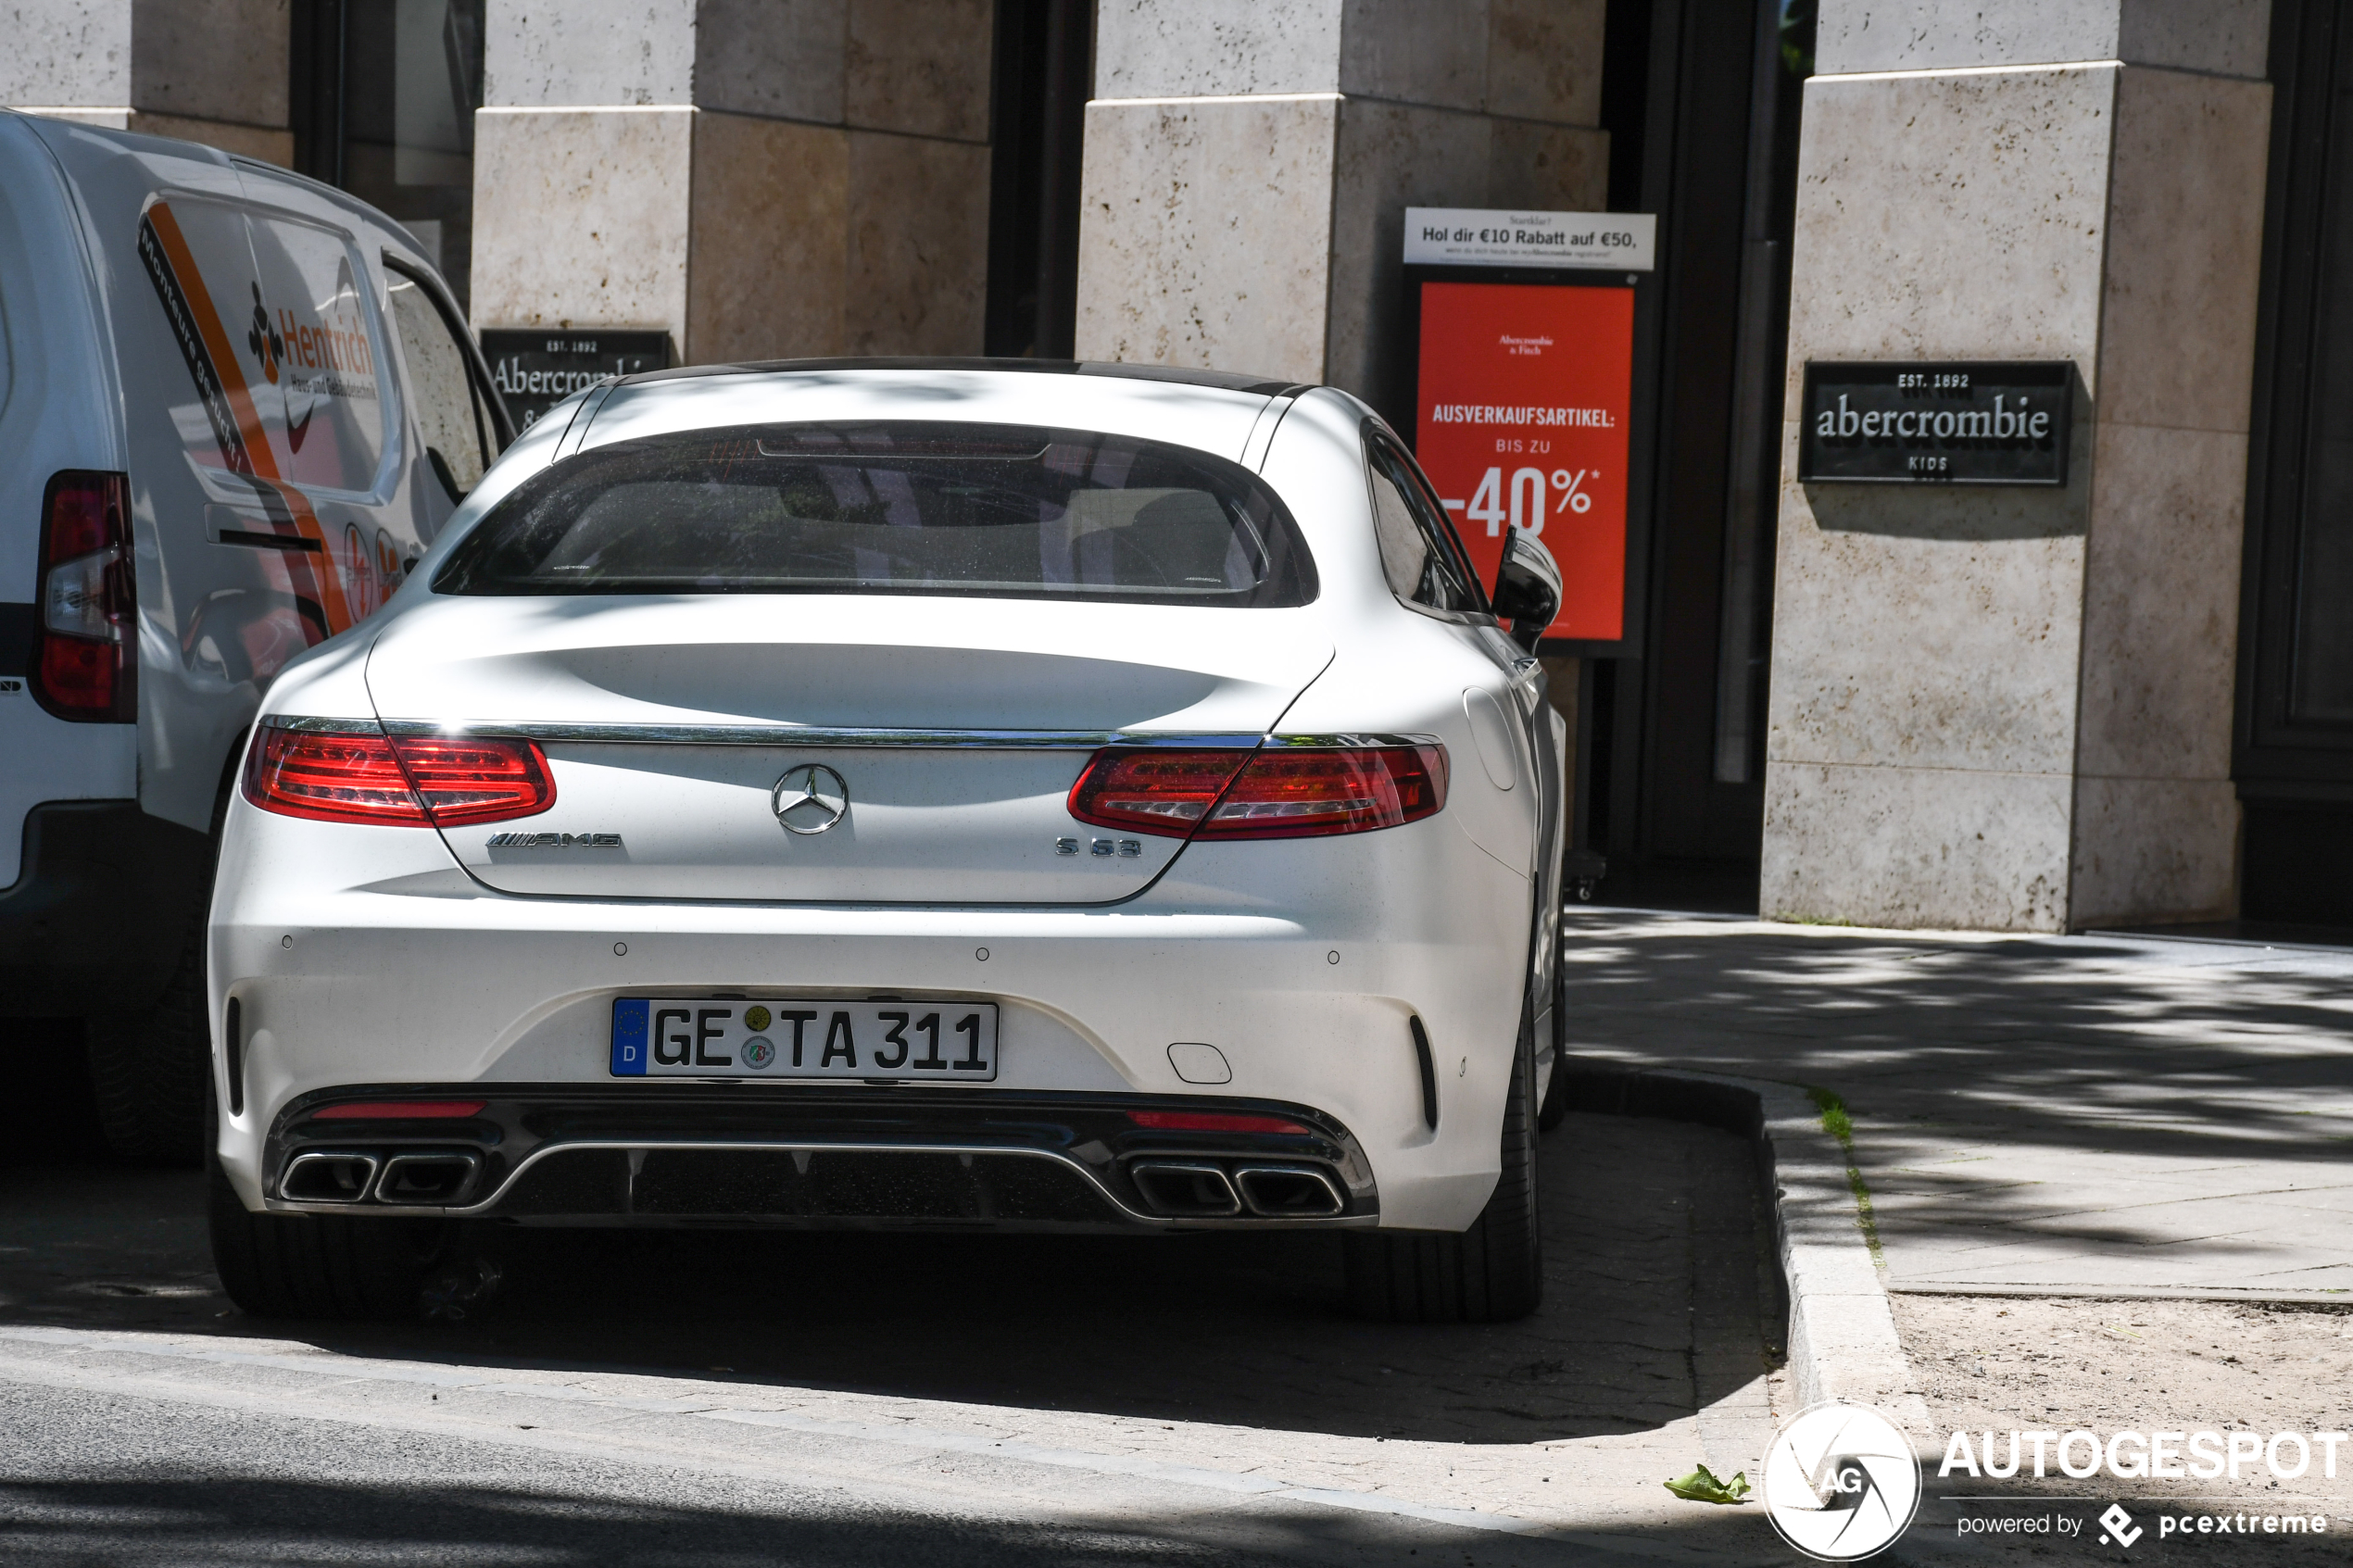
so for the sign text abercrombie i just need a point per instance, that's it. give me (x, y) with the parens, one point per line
(535, 369)
(1953, 422)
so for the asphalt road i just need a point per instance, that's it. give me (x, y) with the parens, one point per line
(659, 1399)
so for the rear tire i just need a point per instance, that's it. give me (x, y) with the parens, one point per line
(321, 1265)
(151, 1072)
(1493, 1272)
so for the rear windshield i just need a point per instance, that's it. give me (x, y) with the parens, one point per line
(895, 508)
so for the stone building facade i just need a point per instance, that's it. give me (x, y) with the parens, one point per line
(2125, 701)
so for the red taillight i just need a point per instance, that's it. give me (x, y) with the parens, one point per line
(1165, 793)
(1290, 794)
(400, 1111)
(1283, 793)
(477, 781)
(89, 660)
(361, 776)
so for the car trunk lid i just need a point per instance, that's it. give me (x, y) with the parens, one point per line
(830, 748)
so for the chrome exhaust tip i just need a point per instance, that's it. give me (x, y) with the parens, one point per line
(1289, 1192)
(323, 1175)
(435, 1178)
(1184, 1189)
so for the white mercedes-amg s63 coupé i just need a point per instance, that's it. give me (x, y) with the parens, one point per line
(919, 794)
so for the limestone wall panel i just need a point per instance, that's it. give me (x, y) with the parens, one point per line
(919, 66)
(917, 239)
(2161, 603)
(582, 218)
(586, 51)
(770, 276)
(782, 59)
(1544, 61)
(1148, 49)
(2153, 851)
(1205, 234)
(1926, 628)
(1915, 848)
(1951, 217)
(66, 53)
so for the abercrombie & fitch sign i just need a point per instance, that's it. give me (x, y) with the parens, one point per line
(1956, 423)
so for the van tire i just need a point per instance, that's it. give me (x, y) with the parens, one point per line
(1491, 1273)
(321, 1265)
(151, 1072)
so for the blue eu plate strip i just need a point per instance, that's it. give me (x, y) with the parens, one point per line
(629, 1037)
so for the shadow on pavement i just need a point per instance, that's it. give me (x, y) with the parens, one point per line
(2148, 1065)
(1655, 1307)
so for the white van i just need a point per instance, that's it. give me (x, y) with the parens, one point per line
(235, 406)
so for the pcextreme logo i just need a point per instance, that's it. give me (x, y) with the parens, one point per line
(1841, 1482)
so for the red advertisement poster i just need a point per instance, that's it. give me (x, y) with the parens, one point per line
(1524, 393)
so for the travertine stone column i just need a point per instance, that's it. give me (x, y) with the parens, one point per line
(204, 70)
(762, 179)
(2011, 708)
(1248, 167)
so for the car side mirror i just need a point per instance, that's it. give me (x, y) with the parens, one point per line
(1528, 587)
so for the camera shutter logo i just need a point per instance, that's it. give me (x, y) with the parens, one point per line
(809, 800)
(1841, 1482)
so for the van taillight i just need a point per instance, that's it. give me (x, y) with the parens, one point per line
(87, 667)
(361, 776)
(1279, 792)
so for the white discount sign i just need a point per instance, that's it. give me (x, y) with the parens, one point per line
(1472, 236)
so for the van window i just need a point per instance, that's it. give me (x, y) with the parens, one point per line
(311, 312)
(1418, 552)
(448, 405)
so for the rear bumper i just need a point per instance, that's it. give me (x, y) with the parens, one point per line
(817, 1156)
(360, 956)
(99, 911)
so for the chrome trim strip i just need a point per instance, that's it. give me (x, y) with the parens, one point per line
(772, 1145)
(812, 736)
(320, 725)
(817, 737)
(1329, 742)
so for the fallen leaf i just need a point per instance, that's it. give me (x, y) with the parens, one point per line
(1701, 1486)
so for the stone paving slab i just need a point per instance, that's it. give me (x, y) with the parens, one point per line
(1225, 1356)
(2072, 1112)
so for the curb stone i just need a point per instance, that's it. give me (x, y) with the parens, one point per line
(1842, 1340)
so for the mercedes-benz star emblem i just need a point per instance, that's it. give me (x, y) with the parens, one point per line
(809, 798)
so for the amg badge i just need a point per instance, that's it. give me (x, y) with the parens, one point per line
(554, 841)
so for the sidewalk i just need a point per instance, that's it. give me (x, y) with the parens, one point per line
(2059, 1113)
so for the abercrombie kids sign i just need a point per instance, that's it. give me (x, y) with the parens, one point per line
(1954, 423)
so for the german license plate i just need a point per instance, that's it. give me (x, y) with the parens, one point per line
(802, 1037)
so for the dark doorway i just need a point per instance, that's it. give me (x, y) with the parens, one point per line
(1703, 122)
(382, 98)
(2294, 758)
(1045, 70)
